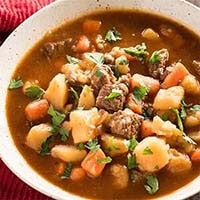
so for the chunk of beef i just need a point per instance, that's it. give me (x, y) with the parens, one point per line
(101, 75)
(114, 103)
(126, 79)
(125, 123)
(148, 110)
(109, 59)
(196, 65)
(158, 68)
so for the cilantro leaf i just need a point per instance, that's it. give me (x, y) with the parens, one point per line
(132, 163)
(114, 94)
(74, 92)
(45, 146)
(179, 121)
(195, 108)
(140, 92)
(98, 73)
(105, 160)
(123, 60)
(131, 144)
(64, 134)
(15, 83)
(72, 60)
(152, 184)
(34, 91)
(80, 146)
(147, 151)
(95, 57)
(165, 116)
(155, 57)
(113, 35)
(139, 51)
(92, 145)
(67, 172)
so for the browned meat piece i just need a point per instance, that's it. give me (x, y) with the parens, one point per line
(148, 110)
(125, 123)
(157, 69)
(52, 48)
(101, 75)
(109, 59)
(196, 65)
(136, 176)
(112, 97)
(126, 79)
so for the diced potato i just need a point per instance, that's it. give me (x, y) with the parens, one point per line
(57, 92)
(122, 64)
(68, 153)
(83, 124)
(195, 135)
(37, 135)
(152, 154)
(114, 146)
(87, 98)
(150, 34)
(192, 119)
(119, 176)
(178, 162)
(169, 98)
(191, 85)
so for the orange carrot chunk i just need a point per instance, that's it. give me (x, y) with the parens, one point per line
(146, 128)
(133, 105)
(176, 76)
(77, 174)
(91, 165)
(37, 110)
(83, 44)
(195, 156)
(91, 26)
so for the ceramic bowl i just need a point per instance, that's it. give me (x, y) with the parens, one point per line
(25, 36)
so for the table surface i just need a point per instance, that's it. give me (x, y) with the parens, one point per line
(27, 192)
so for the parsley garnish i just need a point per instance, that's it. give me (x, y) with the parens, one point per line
(64, 133)
(132, 161)
(195, 108)
(147, 151)
(152, 184)
(140, 92)
(105, 160)
(131, 144)
(80, 146)
(92, 145)
(138, 51)
(34, 91)
(113, 35)
(15, 83)
(155, 57)
(114, 94)
(123, 61)
(67, 172)
(95, 57)
(165, 116)
(98, 73)
(72, 60)
(45, 146)
(74, 92)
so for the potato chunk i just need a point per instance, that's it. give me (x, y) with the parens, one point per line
(150, 34)
(169, 98)
(87, 99)
(83, 124)
(114, 146)
(57, 92)
(178, 162)
(192, 119)
(68, 153)
(152, 154)
(37, 135)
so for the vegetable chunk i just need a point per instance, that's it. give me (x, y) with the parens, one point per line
(37, 135)
(68, 153)
(152, 154)
(57, 92)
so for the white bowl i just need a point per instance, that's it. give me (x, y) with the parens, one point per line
(25, 36)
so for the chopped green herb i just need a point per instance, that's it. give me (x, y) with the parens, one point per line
(165, 116)
(152, 184)
(139, 51)
(195, 108)
(72, 60)
(113, 35)
(132, 163)
(15, 83)
(114, 94)
(95, 57)
(105, 160)
(92, 145)
(147, 151)
(67, 172)
(188, 139)
(178, 118)
(115, 71)
(45, 146)
(34, 91)
(140, 92)
(80, 146)
(123, 61)
(155, 57)
(132, 143)
(64, 134)
(98, 73)
(74, 92)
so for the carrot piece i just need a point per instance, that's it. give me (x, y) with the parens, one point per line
(195, 156)
(37, 110)
(60, 168)
(138, 80)
(176, 76)
(83, 44)
(91, 165)
(146, 128)
(133, 105)
(77, 174)
(91, 26)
